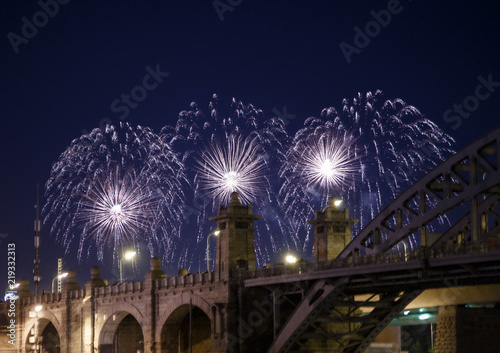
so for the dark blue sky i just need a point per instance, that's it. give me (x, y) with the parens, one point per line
(63, 80)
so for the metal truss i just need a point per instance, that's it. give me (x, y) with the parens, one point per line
(316, 300)
(330, 319)
(472, 175)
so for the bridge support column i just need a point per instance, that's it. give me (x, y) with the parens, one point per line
(88, 312)
(462, 329)
(389, 340)
(71, 320)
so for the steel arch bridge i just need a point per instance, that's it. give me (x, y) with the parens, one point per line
(467, 187)
(472, 176)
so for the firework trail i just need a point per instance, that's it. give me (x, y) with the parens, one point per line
(396, 145)
(217, 140)
(107, 186)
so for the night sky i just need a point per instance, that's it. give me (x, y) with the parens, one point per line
(61, 82)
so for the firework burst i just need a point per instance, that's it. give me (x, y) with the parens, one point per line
(265, 139)
(318, 165)
(237, 166)
(118, 211)
(325, 163)
(395, 142)
(121, 158)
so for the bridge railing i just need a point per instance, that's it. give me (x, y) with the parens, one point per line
(420, 254)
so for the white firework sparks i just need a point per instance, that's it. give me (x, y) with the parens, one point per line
(325, 164)
(238, 166)
(317, 167)
(92, 201)
(118, 211)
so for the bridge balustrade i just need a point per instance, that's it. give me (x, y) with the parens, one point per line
(422, 254)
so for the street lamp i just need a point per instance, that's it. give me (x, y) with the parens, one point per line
(62, 275)
(290, 259)
(129, 255)
(11, 293)
(216, 233)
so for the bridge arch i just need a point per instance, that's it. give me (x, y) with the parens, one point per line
(469, 177)
(122, 332)
(173, 329)
(49, 328)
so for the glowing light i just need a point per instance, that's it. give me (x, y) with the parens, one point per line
(237, 166)
(326, 163)
(129, 255)
(337, 203)
(406, 312)
(116, 211)
(424, 316)
(10, 296)
(290, 259)
(38, 308)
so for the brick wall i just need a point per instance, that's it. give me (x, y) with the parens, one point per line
(466, 330)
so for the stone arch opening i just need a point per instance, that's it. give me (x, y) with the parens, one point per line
(4, 330)
(175, 336)
(121, 333)
(48, 337)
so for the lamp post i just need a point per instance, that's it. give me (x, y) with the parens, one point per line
(61, 276)
(38, 308)
(129, 255)
(216, 233)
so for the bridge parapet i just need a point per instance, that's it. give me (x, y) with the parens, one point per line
(48, 298)
(421, 254)
(189, 280)
(166, 283)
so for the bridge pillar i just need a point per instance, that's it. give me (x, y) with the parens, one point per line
(389, 340)
(461, 329)
(235, 242)
(70, 321)
(150, 283)
(332, 231)
(88, 311)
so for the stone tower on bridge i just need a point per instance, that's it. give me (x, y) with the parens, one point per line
(235, 243)
(332, 231)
